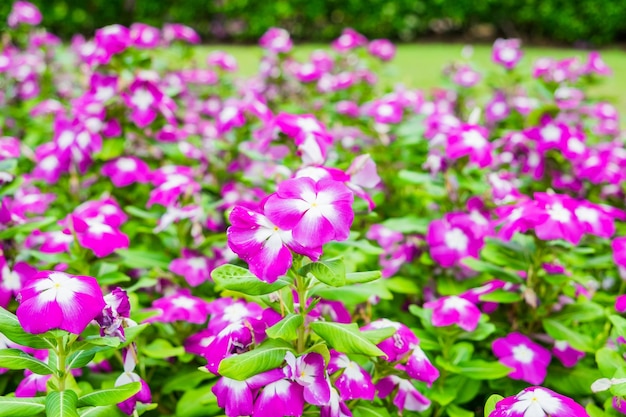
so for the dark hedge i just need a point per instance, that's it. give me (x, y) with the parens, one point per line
(563, 21)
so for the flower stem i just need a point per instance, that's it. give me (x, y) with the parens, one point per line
(61, 356)
(301, 290)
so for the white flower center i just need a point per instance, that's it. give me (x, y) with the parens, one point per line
(523, 354)
(126, 164)
(457, 240)
(559, 213)
(474, 139)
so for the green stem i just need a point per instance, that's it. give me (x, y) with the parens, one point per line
(61, 356)
(302, 290)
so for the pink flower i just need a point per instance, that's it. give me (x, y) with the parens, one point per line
(143, 99)
(538, 402)
(180, 305)
(309, 371)
(466, 76)
(348, 40)
(454, 310)
(451, 239)
(568, 356)
(195, 268)
(263, 245)
(506, 52)
(619, 251)
(56, 300)
(385, 111)
(407, 396)
(126, 170)
(276, 40)
(177, 31)
(24, 12)
(596, 65)
(419, 367)
(397, 346)
(354, 381)
(223, 60)
(144, 36)
(237, 397)
(315, 212)
(561, 222)
(528, 360)
(471, 140)
(382, 48)
(280, 398)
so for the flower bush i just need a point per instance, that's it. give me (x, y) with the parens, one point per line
(178, 240)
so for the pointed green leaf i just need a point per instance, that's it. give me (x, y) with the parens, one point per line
(362, 277)
(26, 228)
(287, 328)
(21, 407)
(331, 272)
(345, 338)
(560, 331)
(236, 278)
(109, 396)
(367, 410)
(162, 349)
(101, 411)
(62, 404)
(490, 405)
(265, 357)
(16, 359)
(135, 258)
(378, 335)
(11, 328)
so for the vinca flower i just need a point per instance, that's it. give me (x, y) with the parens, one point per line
(354, 381)
(454, 310)
(528, 360)
(56, 300)
(538, 402)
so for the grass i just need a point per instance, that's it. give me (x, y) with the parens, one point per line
(420, 65)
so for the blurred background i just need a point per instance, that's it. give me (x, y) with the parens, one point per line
(578, 23)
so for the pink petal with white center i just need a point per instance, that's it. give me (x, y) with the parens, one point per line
(280, 398)
(235, 397)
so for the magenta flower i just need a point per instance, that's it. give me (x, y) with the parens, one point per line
(471, 141)
(180, 305)
(264, 246)
(451, 239)
(454, 310)
(407, 396)
(383, 49)
(126, 170)
(24, 12)
(116, 315)
(309, 372)
(195, 268)
(237, 397)
(596, 65)
(144, 36)
(276, 40)
(354, 381)
(568, 356)
(143, 396)
(538, 402)
(315, 212)
(397, 346)
(177, 31)
(56, 300)
(280, 398)
(348, 40)
(144, 99)
(419, 367)
(528, 360)
(336, 407)
(506, 52)
(561, 222)
(466, 76)
(223, 60)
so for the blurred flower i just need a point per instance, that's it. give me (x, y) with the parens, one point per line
(528, 360)
(538, 402)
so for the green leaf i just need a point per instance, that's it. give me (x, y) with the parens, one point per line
(490, 405)
(353, 294)
(198, 402)
(109, 396)
(114, 277)
(267, 356)
(162, 349)
(235, 278)
(582, 311)
(608, 361)
(619, 323)
(492, 270)
(62, 404)
(331, 272)
(21, 407)
(186, 380)
(560, 331)
(378, 335)
(402, 285)
(367, 410)
(16, 359)
(101, 411)
(362, 277)
(591, 409)
(408, 224)
(287, 328)
(345, 338)
(131, 333)
(135, 258)
(476, 369)
(501, 296)
(26, 228)
(11, 328)
(103, 341)
(456, 411)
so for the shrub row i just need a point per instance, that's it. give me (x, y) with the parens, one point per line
(588, 21)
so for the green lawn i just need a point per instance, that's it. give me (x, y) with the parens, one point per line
(419, 65)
